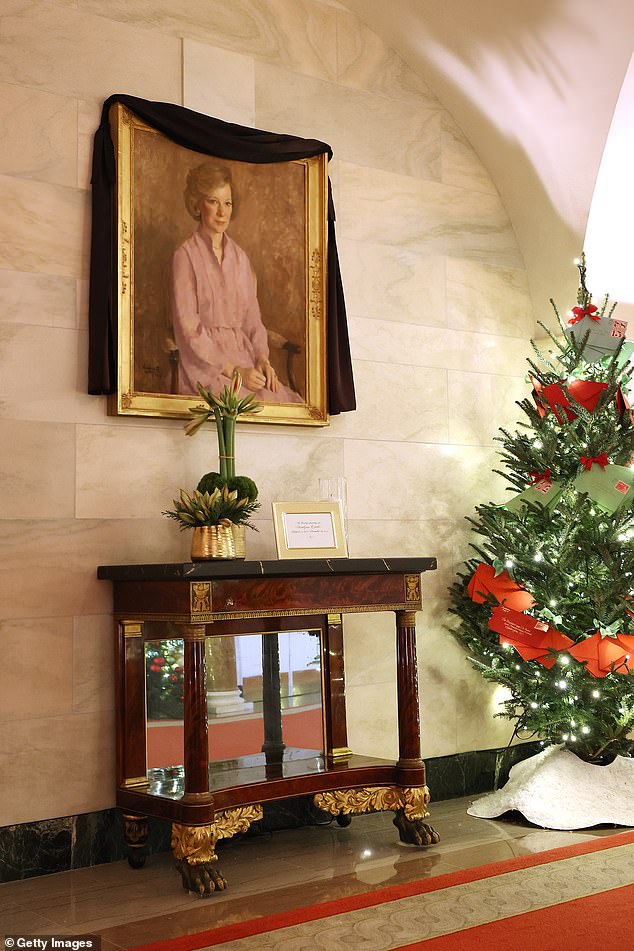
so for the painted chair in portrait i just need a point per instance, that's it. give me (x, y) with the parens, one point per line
(282, 356)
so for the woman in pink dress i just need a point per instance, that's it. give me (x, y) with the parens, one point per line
(217, 323)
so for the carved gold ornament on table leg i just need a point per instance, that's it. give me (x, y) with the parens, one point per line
(407, 802)
(194, 848)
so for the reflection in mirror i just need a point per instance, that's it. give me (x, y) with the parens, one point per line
(164, 702)
(264, 695)
(264, 701)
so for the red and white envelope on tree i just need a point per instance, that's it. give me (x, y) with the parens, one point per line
(532, 639)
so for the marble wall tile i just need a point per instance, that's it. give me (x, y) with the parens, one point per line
(460, 164)
(370, 649)
(37, 668)
(425, 481)
(348, 119)
(372, 720)
(48, 567)
(490, 299)
(82, 288)
(313, 111)
(48, 227)
(478, 726)
(39, 299)
(383, 391)
(43, 375)
(261, 543)
(37, 451)
(479, 404)
(93, 663)
(365, 62)
(438, 691)
(39, 135)
(218, 82)
(146, 468)
(64, 50)
(145, 472)
(295, 33)
(392, 283)
(59, 766)
(88, 119)
(463, 536)
(405, 343)
(438, 218)
(288, 466)
(402, 537)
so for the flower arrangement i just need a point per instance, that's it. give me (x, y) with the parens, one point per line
(220, 498)
(220, 507)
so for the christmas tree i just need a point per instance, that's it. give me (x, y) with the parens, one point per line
(545, 607)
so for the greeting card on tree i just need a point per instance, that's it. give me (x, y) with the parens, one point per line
(603, 655)
(584, 392)
(544, 493)
(605, 333)
(609, 487)
(532, 639)
(504, 589)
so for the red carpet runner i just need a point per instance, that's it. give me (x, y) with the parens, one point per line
(379, 920)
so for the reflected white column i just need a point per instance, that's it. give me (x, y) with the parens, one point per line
(223, 695)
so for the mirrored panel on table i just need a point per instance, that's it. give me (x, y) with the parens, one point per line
(264, 703)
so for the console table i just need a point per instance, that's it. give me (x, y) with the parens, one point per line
(208, 799)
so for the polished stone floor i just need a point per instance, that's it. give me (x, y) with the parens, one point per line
(267, 873)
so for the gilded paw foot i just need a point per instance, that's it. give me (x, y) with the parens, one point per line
(414, 831)
(203, 879)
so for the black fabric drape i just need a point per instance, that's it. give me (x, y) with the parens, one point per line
(224, 140)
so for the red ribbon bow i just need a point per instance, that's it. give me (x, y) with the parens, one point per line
(540, 476)
(602, 460)
(590, 311)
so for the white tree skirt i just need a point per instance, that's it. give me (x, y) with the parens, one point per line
(557, 790)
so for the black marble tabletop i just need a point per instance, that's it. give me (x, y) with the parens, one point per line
(234, 568)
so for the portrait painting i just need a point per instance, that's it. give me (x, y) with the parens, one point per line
(221, 267)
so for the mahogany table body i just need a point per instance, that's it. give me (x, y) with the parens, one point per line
(207, 801)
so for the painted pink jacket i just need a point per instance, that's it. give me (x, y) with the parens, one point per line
(216, 315)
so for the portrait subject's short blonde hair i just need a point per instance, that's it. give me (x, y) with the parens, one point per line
(201, 181)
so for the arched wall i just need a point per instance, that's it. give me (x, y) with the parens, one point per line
(439, 318)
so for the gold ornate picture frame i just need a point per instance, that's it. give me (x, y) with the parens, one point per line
(280, 222)
(309, 529)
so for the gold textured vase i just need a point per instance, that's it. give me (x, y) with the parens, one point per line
(239, 540)
(211, 542)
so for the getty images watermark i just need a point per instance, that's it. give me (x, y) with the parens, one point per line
(52, 942)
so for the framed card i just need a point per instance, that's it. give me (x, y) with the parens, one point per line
(309, 529)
